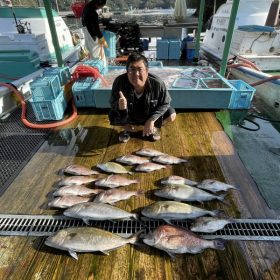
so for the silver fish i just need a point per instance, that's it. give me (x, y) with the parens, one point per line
(79, 190)
(97, 211)
(167, 159)
(87, 239)
(67, 201)
(214, 186)
(114, 181)
(114, 195)
(176, 240)
(146, 152)
(173, 210)
(173, 179)
(186, 193)
(209, 224)
(76, 180)
(113, 167)
(148, 167)
(132, 159)
(76, 169)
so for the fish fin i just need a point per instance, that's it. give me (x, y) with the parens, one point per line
(130, 172)
(215, 212)
(73, 254)
(111, 203)
(219, 244)
(190, 182)
(222, 197)
(171, 255)
(86, 221)
(168, 221)
(105, 252)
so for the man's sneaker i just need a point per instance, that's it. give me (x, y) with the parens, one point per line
(124, 136)
(155, 136)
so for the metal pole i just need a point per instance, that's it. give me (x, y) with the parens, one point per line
(48, 8)
(230, 30)
(200, 21)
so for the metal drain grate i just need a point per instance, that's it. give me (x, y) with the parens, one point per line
(40, 225)
(17, 145)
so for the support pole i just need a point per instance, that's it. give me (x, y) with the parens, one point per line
(230, 30)
(200, 21)
(48, 8)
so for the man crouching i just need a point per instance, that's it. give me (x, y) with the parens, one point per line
(140, 98)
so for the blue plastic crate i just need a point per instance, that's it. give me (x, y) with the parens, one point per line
(63, 74)
(155, 64)
(83, 92)
(242, 95)
(185, 82)
(51, 109)
(111, 40)
(45, 88)
(97, 63)
(174, 51)
(162, 49)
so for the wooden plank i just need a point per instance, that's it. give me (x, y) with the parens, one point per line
(194, 135)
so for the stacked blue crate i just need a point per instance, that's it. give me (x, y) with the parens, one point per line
(48, 101)
(63, 74)
(45, 88)
(97, 63)
(174, 49)
(111, 40)
(162, 49)
(52, 109)
(242, 95)
(83, 92)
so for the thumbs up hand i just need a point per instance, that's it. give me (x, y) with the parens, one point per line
(122, 101)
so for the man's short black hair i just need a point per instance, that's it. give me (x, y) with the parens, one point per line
(135, 57)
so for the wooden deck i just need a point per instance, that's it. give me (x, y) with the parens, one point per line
(195, 135)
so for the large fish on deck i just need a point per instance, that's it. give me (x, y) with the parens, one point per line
(76, 180)
(209, 224)
(132, 159)
(214, 186)
(113, 167)
(87, 239)
(97, 211)
(177, 180)
(114, 195)
(149, 167)
(76, 169)
(79, 190)
(67, 201)
(114, 181)
(186, 193)
(176, 240)
(168, 159)
(173, 210)
(146, 152)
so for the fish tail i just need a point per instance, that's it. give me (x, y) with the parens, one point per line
(215, 212)
(135, 237)
(219, 244)
(222, 199)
